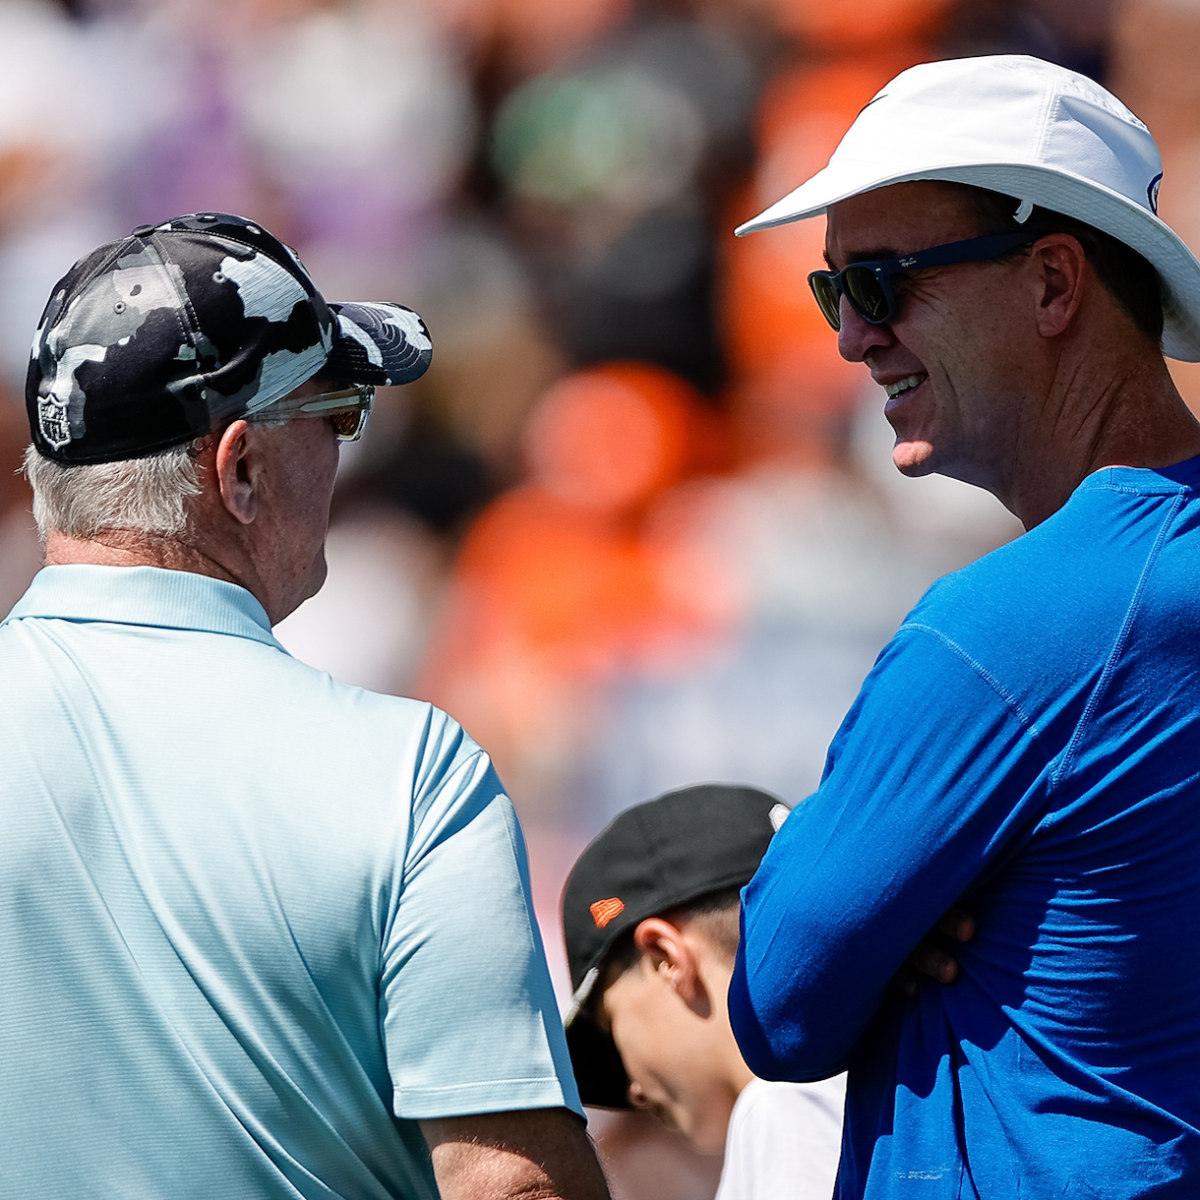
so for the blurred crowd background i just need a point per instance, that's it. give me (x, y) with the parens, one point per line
(638, 526)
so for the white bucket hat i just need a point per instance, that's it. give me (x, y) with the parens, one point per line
(1028, 129)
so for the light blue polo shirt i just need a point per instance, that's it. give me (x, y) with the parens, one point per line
(247, 913)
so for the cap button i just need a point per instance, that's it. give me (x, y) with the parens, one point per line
(143, 231)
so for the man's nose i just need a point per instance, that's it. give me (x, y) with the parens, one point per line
(858, 337)
(637, 1097)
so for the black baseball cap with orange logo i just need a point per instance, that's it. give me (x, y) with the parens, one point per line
(651, 859)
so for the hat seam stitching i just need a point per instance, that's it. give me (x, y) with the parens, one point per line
(1048, 101)
(311, 283)
(184, 303)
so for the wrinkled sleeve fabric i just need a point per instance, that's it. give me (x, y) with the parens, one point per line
(469, 1018)
(934, 778)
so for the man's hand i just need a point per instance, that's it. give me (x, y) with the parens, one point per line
(933, 955)
(536, 1154)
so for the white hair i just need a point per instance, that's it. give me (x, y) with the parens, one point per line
(146, 495)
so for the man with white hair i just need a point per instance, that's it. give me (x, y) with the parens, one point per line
(261, 934)
(1029, 742)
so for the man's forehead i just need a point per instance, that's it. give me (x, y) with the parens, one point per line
(898, 219)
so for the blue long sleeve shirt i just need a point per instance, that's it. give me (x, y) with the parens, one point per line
(1028, 743)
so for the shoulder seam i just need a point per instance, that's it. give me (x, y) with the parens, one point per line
(1125, 490)
(980, 670)
(1106, 480)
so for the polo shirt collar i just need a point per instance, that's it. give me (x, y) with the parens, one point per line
(144, 596)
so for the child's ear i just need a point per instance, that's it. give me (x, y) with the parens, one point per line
(669, 953)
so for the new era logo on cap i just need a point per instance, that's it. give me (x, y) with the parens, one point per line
(604, 911)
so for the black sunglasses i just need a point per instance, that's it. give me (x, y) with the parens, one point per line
(866, 284)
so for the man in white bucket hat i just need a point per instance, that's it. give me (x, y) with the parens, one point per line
(1029, 743)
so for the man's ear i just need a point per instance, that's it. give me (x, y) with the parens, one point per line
(670, 954)
(237, 466)
(1064, 277)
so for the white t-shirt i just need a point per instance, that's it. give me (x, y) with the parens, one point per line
(784, 1141)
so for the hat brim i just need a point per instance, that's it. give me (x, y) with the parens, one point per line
(1048, 187)
(599, 1072)
(378, 343)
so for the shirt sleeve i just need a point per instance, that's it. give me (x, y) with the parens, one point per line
(933, 779)
(469, 1018)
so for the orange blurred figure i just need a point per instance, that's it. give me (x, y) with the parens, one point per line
(557, 580)
(827, 26)
(556, 586)
(556, 564)
(768, 309)
(778, 342)
(805, 111)
(608, 438)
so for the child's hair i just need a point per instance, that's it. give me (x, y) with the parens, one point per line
(717, 914)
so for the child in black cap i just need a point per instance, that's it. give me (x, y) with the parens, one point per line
(650, 915)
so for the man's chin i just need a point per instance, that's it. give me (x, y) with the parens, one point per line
(318, 575)
(913, 458)
(314, 580)
(306, 589)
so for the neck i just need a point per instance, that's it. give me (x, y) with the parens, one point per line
(128, 548)
(1097, 414)
(725, 1056)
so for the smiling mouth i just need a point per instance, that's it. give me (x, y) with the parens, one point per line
(904, 385)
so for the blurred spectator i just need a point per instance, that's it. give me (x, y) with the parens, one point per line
(56, 119)
(495, 356)
(1155, 49)
(1075, 35)
(527, 36)
(363, 123)
(612, 168)
(57, 115)
(180, 144)
(839, 29)
(555, 588)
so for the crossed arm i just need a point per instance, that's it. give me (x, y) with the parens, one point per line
(536, 1154)
(933, 781)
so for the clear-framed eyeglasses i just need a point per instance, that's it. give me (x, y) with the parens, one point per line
(346, 410)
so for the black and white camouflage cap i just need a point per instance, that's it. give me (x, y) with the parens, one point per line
(174, 331)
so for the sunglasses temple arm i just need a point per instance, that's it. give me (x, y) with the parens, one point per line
(972, 250)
